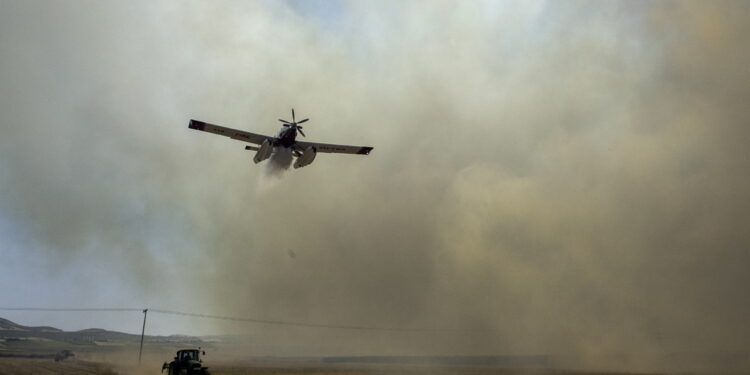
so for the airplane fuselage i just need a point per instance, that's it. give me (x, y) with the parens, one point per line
(287, 137)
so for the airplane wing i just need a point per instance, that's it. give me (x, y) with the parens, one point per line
(228, 132)
(338, 149)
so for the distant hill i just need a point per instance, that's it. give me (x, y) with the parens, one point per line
(7, 325)
(10, 330)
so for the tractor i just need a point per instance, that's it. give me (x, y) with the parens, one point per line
(63, 355)
(186, 362)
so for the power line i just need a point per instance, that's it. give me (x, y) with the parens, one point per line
(242, 319)
(69, 309)
(303, 324)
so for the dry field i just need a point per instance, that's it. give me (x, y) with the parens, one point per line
(25, 366)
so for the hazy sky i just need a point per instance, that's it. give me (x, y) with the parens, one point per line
(564, 177)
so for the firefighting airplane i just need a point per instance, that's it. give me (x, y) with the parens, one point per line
(304, 151)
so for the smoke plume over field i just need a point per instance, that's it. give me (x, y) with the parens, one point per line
(566, 178)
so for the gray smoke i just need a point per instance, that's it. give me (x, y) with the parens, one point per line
(279, 162)
(564, 178)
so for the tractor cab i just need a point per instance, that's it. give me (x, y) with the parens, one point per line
(186, 355)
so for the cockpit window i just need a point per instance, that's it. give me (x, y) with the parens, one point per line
(186, 356)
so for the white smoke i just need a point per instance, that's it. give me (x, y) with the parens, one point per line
(279, 162)
(582, 189)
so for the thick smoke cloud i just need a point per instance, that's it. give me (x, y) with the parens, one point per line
(557, 178)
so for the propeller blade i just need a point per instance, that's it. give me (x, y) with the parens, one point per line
(287, 125)
(300, 131)
(285, 121)
(293, 116)
(303, 121)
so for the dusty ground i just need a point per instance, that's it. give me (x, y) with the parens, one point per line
(70, 367)
(23, 366)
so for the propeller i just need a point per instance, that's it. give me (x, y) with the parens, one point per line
(294, 123)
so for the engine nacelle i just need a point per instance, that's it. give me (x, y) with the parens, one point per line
(264, 152)
(306, 158)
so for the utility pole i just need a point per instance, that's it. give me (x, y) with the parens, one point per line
(143, 331)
